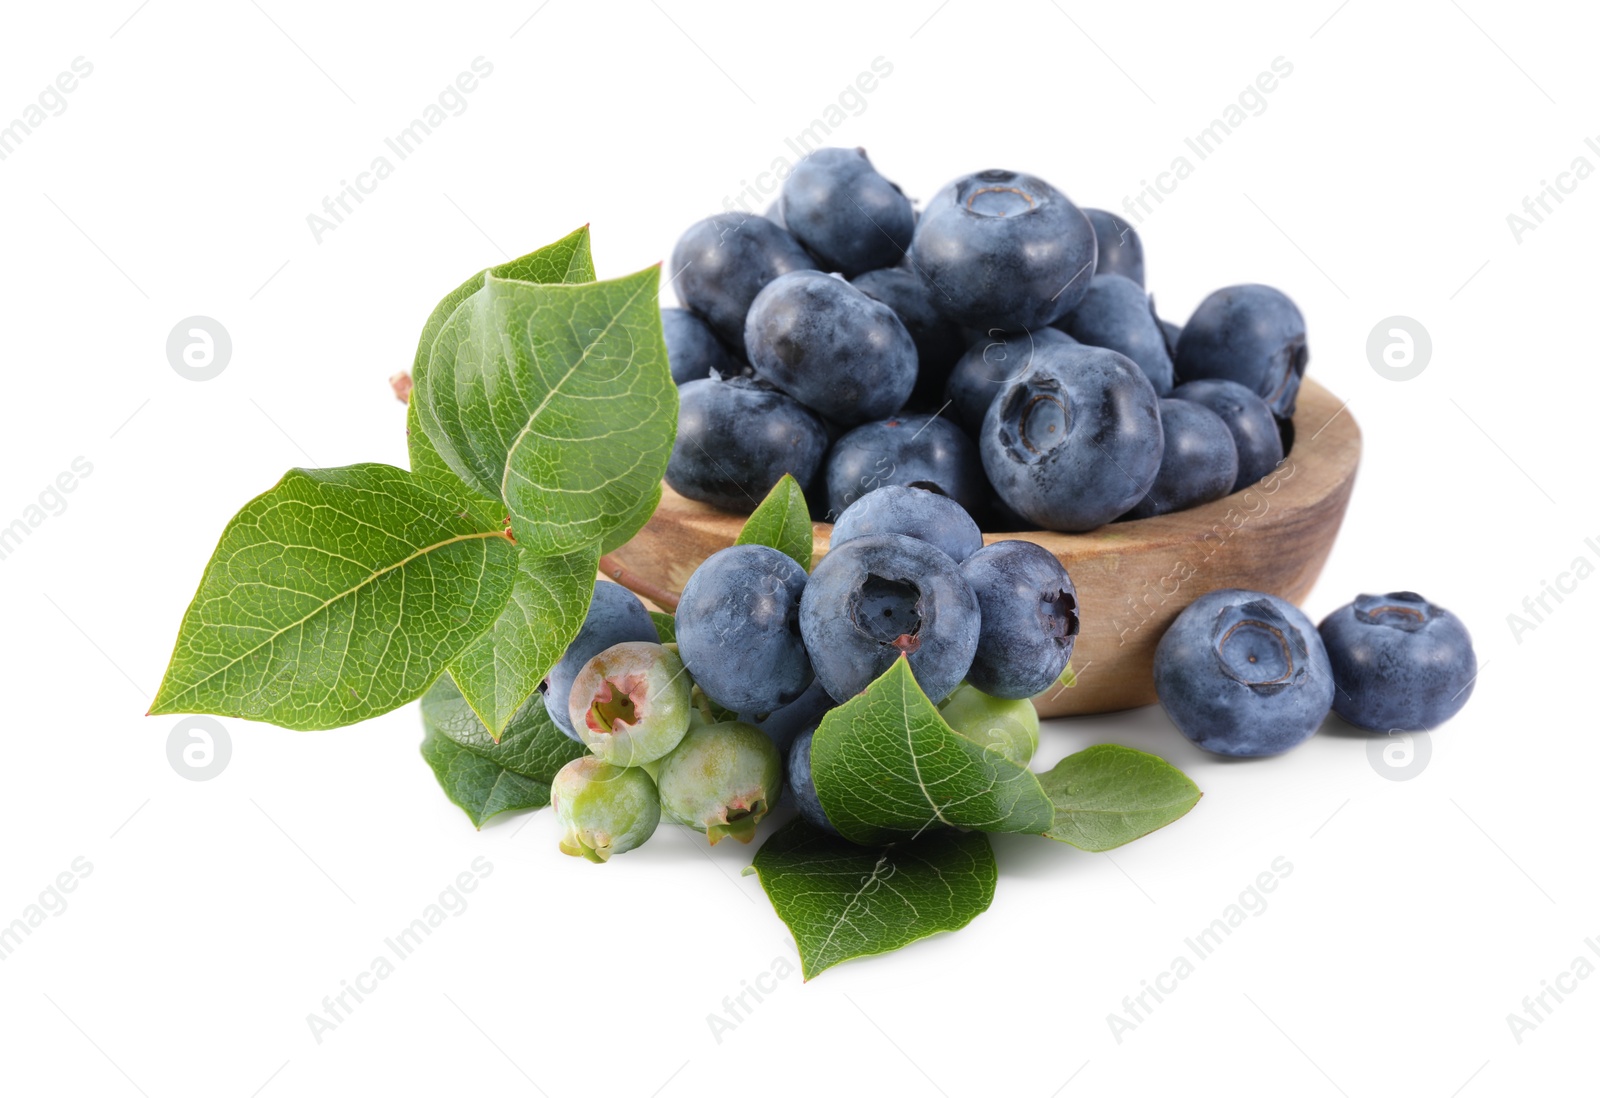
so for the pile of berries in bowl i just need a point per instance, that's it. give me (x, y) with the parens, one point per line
(998, 348)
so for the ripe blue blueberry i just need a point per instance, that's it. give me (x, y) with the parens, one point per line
(631, 703)
(736, 438)
(693, 349)
(738, 627)
(1029, 618)
(1400, 663)
(1076, 441)
(919, 451)
(721, 263)
(847, 215)
(914, 512)
(1243, 673)
(939, 341)
(831, 347)
(1004, 250)
(1251, 334)
(603, 809)
(804, 787)
(1249, 420)
(1199, 461)
(1121, 251)
(721, 779)
(1116, 313)
(875, 598)
(988, 364)
(615, 615)
(801, 715)
(1170, 332)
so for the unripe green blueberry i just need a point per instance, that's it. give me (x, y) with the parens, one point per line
(722, 779)
(1008, 727)
(630, 703)
(603, 809)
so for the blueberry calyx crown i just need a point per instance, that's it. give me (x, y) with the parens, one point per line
(1398, 609)
(1256, 646)
(613, 704)
(889, 611)
(1059, 613)
(997, 195)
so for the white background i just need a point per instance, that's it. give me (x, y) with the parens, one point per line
(219, 914)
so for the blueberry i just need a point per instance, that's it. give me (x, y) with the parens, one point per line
(801, 715)
(1243, 673)
(1116, 313)
(939, 342)
(721, 263)
(1029, 618)
(1249, 420)
(721, 779)
(615, 615)
(774, 212)
(1250, 334)
(990, 362)
(736, 439)
(1121, 251)
(1008, 727)
(1076, 441)
(1400, 663)
(875, 598)
(1199, 462)
(630, 703)
(693, 348)
(738, 625)
(1170, 333)
(1003, 250)
(804, 788)
(914, 512)
(920, 451)
(845, 213)
(831, 347)
(603, 809)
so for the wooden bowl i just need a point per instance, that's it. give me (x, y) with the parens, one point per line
(1132, 577)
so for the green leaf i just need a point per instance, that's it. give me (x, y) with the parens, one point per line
(782, 521)
(1067, 679)
(500, 669)
(841, 901)
(484, 777)
(336, 595)
(428, 466)
(666, 627)
(567, 260)
(1110, 795)
(886, 764)
(557, 399)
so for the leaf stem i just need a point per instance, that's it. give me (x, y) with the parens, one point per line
(613, 569)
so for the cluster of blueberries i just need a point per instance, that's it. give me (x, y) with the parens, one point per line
(706, 729)
(703, 729)
(1245, 673)
(998, 348)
